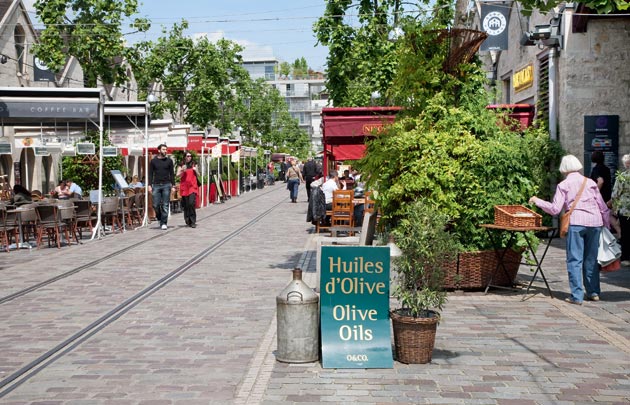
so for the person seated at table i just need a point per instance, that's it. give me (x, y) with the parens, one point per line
(62, 192)
(346, 180)
(135, 183)
(75, 190)
(329, 186)
(21, 196)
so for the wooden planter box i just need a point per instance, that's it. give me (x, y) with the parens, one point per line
(474, 269)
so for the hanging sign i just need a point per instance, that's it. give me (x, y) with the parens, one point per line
(86, 148)
(216, 151)
(355, 328)
(41, 71)
(236, 156)
(494, 22)
(110, 151)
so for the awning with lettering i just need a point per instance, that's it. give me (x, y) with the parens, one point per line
(45, 106)
(353, 125)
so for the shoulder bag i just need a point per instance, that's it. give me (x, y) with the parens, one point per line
(565, 218)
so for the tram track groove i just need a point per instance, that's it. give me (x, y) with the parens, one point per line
(23, 374)
(35, 287)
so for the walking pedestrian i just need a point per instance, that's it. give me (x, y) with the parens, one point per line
(189, 188)
(589, 214)
(294, 178)
(161, 183)
(310, 171)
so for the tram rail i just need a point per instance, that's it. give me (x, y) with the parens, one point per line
(37, 286)
(33, 367)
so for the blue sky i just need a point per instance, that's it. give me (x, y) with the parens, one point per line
(280, 28)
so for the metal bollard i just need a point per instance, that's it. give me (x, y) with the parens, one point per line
(298, 322)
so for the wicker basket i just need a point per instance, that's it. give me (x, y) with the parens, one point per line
(414, 338)
(474, 269)
(516, 216)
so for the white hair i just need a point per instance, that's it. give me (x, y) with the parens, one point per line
(570, 164)
(626, 160)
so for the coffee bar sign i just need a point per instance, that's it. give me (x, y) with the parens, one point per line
(49, 109)
(354, 287)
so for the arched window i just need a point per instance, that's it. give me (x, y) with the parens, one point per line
(20, 38)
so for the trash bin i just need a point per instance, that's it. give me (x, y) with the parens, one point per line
(298, 322)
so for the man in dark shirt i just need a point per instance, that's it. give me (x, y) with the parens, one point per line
(600, 173)
(161, 182)
(310, 170)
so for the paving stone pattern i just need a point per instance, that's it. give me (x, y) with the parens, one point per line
(208, 337)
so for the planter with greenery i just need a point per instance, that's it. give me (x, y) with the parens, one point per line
(427, 251)
(448, 149)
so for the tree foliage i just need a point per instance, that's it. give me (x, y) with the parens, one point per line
(600, 6)
(360, 58)
(89, 30)
(448, 149)
(200, 80)
(83, 169)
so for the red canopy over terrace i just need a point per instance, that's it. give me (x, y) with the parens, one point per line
(345, 130)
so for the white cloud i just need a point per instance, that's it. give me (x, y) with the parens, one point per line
(252, 50)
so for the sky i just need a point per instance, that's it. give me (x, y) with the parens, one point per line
(279, 28)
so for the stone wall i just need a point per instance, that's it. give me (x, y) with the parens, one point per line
(594, 79)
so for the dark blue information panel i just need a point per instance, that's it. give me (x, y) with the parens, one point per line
(354, 287)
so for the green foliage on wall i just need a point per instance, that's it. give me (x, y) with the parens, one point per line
(83, 169)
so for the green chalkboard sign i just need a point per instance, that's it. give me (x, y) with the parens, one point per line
(354, 288)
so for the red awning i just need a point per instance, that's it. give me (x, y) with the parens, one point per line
(353, 125)
(345, 152)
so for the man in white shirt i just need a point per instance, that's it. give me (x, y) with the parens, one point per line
(329, 186)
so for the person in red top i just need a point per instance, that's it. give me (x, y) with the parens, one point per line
(189, 189)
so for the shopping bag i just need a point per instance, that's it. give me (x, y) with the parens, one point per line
(614, 266)
(609, 250)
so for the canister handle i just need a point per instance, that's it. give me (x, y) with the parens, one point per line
(295, 292)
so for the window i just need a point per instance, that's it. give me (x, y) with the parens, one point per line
(542, 104)
(270, 73)
(290, 89)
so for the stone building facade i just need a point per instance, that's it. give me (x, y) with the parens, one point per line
(591, 63)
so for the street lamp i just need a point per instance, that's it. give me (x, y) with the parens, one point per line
(151, 101)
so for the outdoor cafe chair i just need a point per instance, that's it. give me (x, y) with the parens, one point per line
(83, 211)
(342, 209)
(49, 220)
(137, 211)
(109, 213)
(4, 230)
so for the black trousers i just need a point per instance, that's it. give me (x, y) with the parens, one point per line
(308, 180)
(188, 205)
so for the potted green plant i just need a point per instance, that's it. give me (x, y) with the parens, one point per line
(428, 248)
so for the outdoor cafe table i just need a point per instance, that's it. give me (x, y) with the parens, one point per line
(18, 213)
(494, 233)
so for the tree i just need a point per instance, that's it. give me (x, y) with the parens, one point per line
(285, 69)
(360, 59)
(300, 68)
(201, 80)
(600, 6)
(89, 30)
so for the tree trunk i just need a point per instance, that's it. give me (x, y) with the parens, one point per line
(461, 15)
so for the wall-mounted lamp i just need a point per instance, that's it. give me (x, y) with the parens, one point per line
(151, 99)
(544, 34)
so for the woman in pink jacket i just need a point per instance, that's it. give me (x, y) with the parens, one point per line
(588, 217)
